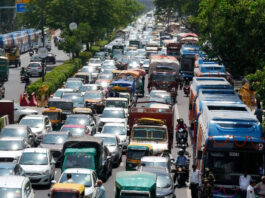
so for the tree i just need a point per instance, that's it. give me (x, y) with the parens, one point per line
(7, 16)
(235, 30)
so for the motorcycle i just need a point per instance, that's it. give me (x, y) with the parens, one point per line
(24, 78)
(182, 138)
(181, 175)
(2, 90)
(186, 87)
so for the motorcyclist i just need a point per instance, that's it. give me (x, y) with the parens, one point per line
(23, 72)
(181, 161)
(181, 124)
(186, 81)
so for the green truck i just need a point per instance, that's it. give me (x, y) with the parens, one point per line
(134, 184)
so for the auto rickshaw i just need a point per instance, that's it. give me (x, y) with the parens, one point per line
(116, 73)
(4, 69)
(60, 190)
(134, 154)
(13, 55)
(83, 75)
(135, 184)
(55, 116)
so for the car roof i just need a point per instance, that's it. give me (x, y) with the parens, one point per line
(36, 150)
(35, 62)
(113, 108)
(11, 138)
(156, 170)
(12, 181)
(154, 159)
(78, 170)
(34, 116)
(58, 133)
(73, 126)
(114, 124)
(118, 99)
(105, 135)
(16, 126)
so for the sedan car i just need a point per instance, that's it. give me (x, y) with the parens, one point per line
(96, 62)
(118, 129)
(39, 165)
(112, 142)
(20, 112)
(54, 141)
(39, 124)
(156, 161)
(90, 87)
(76, 98)
(83, 176)
(59, 92)
(35, 69)
(108, 67)
(82, 119)
(112, 115)
(104, 80)
(95, 100)
(75, 130)
(164, 181)
(10, 168)
(16, 186)
(74, 83)
(11, 148)
(94, 71)
(22, 131)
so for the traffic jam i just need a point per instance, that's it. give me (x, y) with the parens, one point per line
(120, 111)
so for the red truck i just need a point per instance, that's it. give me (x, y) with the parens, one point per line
(7, 108)
(154, 126)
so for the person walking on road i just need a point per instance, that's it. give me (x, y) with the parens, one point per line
(250, 190)
(207, 184)
(195, 181)
(260, 187)
(244, 181)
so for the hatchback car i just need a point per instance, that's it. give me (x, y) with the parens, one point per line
(16, 186)
(17, 130)
(83, 176)
(39, 165)
(39, 124)
(112, 142)
(10, 168)
(51, 58)
(75, 130)
(35, 69)
(155, 161)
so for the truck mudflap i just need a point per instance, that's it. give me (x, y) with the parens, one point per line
(156, 113)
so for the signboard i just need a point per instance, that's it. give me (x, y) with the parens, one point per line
(21, 7)
(22, 1)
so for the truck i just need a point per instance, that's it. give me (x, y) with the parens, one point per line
(173, 49)
(7, 108)
(229, 142)
(164, 74)
(152, 126)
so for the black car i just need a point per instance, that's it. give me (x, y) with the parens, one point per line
(51, 58)
(164, 182)
(10, 168)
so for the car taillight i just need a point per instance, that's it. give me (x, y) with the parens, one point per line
(39, 67)
(27, 67)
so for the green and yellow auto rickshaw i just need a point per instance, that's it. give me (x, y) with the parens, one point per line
(134, 154)
(55, 116)
(135, 184)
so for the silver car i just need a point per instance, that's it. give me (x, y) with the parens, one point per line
(20, 112)
(39, 165)
(35, 69)
(118, 129)
(113, 144)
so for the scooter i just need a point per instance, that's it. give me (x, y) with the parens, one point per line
(182, 138)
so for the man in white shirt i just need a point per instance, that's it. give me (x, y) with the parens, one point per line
(195, 181)
(244, 181)
(250, 190)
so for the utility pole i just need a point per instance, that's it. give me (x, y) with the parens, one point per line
(43, 39)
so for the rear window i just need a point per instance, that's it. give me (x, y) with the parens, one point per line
(34, 65)
(220, 108)
(235, 125)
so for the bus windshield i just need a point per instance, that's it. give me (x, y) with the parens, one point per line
(149, 133)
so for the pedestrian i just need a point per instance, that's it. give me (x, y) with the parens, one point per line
(102, 191)
(195, 181)
(250, 190)
(244, 181)
(260, 187)
(208, 181)
(69, 179)
(259, 113)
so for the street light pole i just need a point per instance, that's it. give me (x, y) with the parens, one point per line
(43, 39)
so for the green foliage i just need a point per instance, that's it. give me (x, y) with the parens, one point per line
(1, 123)
(7, 16)
(235, 30)
(85, 56)
(56, 78)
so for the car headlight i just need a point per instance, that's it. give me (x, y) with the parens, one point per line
(169, 196)
(46, 172)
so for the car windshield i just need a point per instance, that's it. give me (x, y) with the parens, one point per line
(76, 98)
(89, 69)
(89, 88)
(155, 164)
(58, 194)
(72, 120)
(92, 95)
(58, 94)
(14, 132)
(78, 178)
(105, 77)
(54, 138)
(35, 158)
(94, 61)
(117, 130)
(11, 145)
(76, 132)
(108, 67)
(163, 181)
(73, 84)
(35, 58)
(117, 103)
(10, 192)
(149, 133)
(6, 171)
(33, 123)
(78, 160)
(136, 154)
(61, 105)
(113, 113)
(164, 78)
(109, 141)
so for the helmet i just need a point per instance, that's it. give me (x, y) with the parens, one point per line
(180, 121)
(181, 152)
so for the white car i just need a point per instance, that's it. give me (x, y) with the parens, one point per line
(84, 176)
(39, 124)
(59, 92)
(108, 62)
(11, 148)
(118, 129)
(95, 62)
(38, 165)
(20, 112)
(112, 115)
(119, 103)
(16, 186)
